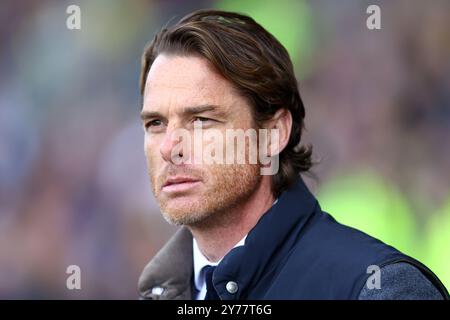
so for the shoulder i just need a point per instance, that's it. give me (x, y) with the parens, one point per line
(342, 246)
(401, 281)
(346, 256)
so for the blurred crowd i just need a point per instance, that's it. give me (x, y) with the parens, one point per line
(73, 183)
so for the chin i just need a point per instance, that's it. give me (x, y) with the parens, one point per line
(183, 219)
(183, 212)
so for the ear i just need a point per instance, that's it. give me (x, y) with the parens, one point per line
(282, 121)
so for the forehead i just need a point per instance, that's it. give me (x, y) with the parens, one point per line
(177, 81)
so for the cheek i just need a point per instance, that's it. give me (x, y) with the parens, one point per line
(152, 154)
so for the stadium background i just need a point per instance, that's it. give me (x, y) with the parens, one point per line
(73, 183)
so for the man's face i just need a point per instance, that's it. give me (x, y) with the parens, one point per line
(180, 91)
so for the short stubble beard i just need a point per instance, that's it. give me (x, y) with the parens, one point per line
(230, 188)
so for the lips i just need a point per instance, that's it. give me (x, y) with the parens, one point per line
(179, 183)
(177, 180)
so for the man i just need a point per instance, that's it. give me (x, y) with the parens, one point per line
(247, 234)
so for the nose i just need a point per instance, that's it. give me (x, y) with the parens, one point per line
(172, 146)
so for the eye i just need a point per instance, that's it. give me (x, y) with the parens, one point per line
(202, 119)
(153, 123)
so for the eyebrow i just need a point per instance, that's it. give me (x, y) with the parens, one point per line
(185, 111)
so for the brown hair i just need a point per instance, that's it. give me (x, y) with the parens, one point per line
(254, 61)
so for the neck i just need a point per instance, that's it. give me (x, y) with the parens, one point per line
(224, 230)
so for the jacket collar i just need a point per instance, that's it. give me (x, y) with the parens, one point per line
(267, 243)
(169, 274)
